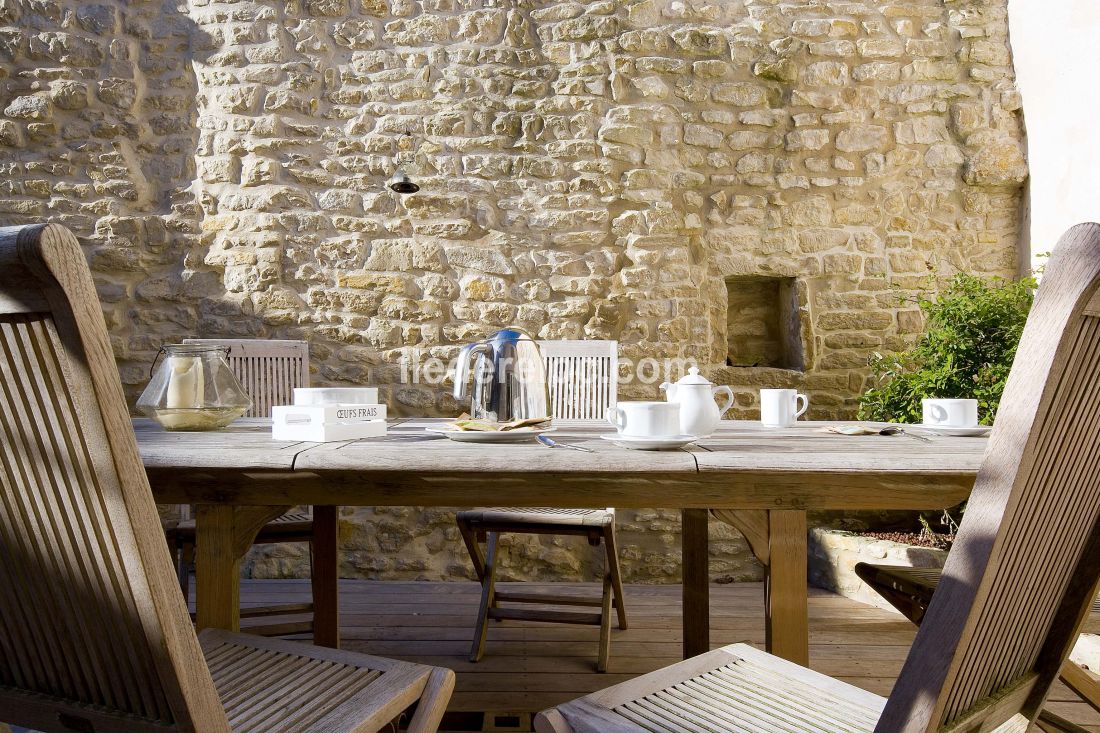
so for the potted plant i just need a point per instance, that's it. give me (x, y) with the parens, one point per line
(972, 329)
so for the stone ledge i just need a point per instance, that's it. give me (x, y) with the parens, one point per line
(833, 555)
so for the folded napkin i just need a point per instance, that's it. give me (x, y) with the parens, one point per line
(465, 422)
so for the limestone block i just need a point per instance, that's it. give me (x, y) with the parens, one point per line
(357, 34)
(481, 26)
(69, 95)
(808, 139)
(585, 28)
(10, 134)
(921, 130)
(97, 19)
(877, 71)
(880, 48)
(400, 255)
(699, 41)
(66, 48)
(826, 74)
(837, 49)
(327, 8)
(703, 136)
(32, 107)
(740, 94)
(220, 169)
(423, 30)
(748, 139)
(999, 160)
(860, 138)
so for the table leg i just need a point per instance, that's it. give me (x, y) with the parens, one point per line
(785, 602)
(696, 587)
(223, 534)
(217, 569)
(324, 577)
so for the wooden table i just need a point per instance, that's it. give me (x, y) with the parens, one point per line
(762, 481)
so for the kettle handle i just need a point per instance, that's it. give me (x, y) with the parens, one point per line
(462, 366)
(729, 398)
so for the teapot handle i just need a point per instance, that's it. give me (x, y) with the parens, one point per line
(462, 366)
(729, 398)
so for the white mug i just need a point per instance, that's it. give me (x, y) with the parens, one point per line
(645, 419)
(779, 407)
(950, 413)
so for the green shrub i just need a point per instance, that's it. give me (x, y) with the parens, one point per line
(972, 329)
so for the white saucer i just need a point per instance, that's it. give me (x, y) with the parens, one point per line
(957, 432)
(519, 435)
(663, 443)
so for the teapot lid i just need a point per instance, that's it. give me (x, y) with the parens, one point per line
(694, 377)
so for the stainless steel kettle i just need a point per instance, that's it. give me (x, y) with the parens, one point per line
(509, 378)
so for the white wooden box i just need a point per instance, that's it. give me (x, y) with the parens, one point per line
(326, 423)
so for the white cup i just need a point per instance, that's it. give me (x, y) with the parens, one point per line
(779, 408)
(950, 413)
(645, 419)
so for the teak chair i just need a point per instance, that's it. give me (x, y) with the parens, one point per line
(94, 633)
(269, 370)
(910, 590)
(1016, 588)
(582, 378)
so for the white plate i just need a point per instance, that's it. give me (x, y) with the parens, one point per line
(519, 435)
(666, 443)
(957, 432)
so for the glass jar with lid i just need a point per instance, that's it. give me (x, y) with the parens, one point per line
(193, 388)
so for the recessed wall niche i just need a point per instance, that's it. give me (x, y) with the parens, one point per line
(763, 325)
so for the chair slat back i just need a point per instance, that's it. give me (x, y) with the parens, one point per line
(269, 369)
(582, 376)
(1022, 573)
(94, 634)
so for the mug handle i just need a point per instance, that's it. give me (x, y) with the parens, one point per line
(616, 417)
(938, 412)
(805, 404)
(729, 398)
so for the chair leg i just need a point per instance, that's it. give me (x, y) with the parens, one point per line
(605, 626)
(616, 574)
(183, 567)
(1051, 723)
(478, 648)
(433, 702)
(324, 555)
(1081, 682)
(469, 537)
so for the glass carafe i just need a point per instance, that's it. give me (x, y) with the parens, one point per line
(193, 388)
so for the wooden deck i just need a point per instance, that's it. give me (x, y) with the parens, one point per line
(531, 666)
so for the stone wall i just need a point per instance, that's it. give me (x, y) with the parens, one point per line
(588, 169)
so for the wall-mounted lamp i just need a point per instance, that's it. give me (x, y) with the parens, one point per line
(400, 182)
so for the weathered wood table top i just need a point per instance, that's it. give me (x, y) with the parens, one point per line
(743, 466)
(760, 480)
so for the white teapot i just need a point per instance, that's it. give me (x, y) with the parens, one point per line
(699, 415)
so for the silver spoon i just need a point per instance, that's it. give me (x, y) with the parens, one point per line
(551, 443)
(895, 430)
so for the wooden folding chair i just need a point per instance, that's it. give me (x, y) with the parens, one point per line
(910, 591)
(94, 633)
(269, 370)
(1016, 588)
(582, 379)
